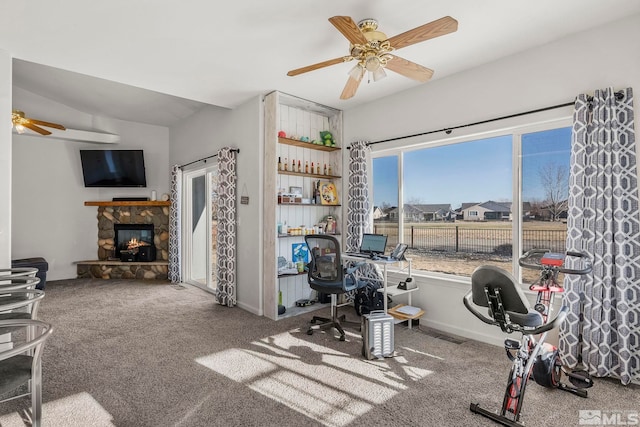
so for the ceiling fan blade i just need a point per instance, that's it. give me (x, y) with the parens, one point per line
(319, 65)
(47, 124)
(35, 128)
(349, 29)
(409, 69)
(437, 28)
(351, 87)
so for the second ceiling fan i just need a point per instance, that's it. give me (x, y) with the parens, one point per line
(372, 49)
(20, 122)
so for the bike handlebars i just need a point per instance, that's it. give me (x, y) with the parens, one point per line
(562, 314)
(523, 261)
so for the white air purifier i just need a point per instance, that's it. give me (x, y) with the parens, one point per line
(377, 335)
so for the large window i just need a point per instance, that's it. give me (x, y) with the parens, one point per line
(462, 204)
(386, 213)
(545, 191)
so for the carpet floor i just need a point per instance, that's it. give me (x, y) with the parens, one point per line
(147, 353)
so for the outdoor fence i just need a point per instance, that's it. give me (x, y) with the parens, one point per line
(472, 240)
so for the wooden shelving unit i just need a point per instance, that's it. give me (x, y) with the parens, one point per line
(284, 236)
(311, 175)
(308, 204)
(295, 116)
(296, 143)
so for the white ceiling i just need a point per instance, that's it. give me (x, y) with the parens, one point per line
(224, 53)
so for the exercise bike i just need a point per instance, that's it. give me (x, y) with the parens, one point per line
(548, 370)
(499, 292)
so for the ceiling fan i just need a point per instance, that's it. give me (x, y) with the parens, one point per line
(372, 49)
(20, 122)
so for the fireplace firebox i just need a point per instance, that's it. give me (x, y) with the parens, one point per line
(134, 242)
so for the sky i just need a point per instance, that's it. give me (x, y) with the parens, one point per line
(475, 171)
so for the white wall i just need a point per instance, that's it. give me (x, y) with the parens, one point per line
(203, 134)
(548, 75)
(5, 159)
(49, 216)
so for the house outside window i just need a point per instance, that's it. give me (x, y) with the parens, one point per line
(477, 201)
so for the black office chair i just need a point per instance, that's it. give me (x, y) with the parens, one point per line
(327, 275)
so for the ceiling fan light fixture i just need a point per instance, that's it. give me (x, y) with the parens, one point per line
(356, 72)
(379, 74)
(372, 63)
(16, 120)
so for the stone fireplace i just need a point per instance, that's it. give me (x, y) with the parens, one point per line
(131, 237)
(145, 221)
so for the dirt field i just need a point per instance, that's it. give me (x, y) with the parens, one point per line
(462, 263)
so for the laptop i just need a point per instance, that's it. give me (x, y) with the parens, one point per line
(370, 246)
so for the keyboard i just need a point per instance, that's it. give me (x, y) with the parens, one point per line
(365, 255)
(357, 255)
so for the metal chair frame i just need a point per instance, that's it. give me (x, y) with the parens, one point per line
(29, 351)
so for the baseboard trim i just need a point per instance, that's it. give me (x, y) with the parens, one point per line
(466, 333)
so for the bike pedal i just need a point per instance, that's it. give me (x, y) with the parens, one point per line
(510, 344)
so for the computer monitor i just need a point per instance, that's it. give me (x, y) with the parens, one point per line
(373, 243)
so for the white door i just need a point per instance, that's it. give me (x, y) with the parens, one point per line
(199, 226)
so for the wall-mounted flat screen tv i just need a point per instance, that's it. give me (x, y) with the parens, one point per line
(113, 168)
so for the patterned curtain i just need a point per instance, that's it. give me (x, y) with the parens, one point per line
(358, 207)
(175, 218)
(226, 230)
(604, 222)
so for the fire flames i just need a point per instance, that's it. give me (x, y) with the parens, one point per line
(135, 243)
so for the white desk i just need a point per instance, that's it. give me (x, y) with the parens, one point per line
(388, 290)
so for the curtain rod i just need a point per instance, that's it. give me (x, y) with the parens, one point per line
(204, 159)
(619, 95)
(450, 129)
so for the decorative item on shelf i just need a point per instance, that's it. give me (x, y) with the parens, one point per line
(279, 164)
(304, 302)
(154, 195)
(327, 139)
(328, 193)
(281, 308)
(165, 197)
(293, 166)
(300, 252)
(281, 134)
(287, 198)
(315, 192)
(304, 138)
(331, 224)
(285, 267)
(295, 190)
(306, 166)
